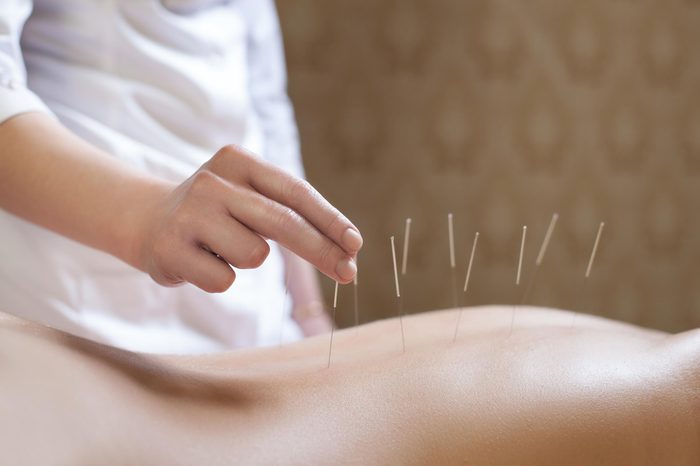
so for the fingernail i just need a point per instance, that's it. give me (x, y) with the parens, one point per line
(352, 241)
(346, 269)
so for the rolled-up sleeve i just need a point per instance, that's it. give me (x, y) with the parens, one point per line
(15, 97)
(268, 87)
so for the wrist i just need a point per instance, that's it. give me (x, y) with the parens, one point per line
(134, 227)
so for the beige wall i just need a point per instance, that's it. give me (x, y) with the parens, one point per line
(502, 112)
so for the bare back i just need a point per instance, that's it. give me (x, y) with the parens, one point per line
(599, 393)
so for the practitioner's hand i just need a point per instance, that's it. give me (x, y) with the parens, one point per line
(220, 218)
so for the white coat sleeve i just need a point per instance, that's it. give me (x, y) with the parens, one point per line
(15, 97)
(268, 87)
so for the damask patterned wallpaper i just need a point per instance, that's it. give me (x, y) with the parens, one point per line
(503, 112)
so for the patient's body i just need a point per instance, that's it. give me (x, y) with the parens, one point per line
(601, 393)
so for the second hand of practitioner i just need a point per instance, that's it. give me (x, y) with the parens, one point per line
(221, 216)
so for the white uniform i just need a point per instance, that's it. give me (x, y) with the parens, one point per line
(161, 85)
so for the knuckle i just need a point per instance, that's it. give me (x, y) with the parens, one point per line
(298, 190)
(230, 159)
(257, 255)
(172, 282)
(203, 181)
(167, 282)
(336, 219)
(287, 218)
(232, 153)
(222, 154)
(326, 256)
(220, 282)
(231, 149)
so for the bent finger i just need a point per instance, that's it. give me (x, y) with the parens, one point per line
(206, 271)
(304, 199)
(273, 182)
(234, 242)
(287, 227)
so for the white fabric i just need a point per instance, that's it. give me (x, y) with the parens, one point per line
(161, 85)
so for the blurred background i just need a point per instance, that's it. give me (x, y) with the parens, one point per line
(503, 112)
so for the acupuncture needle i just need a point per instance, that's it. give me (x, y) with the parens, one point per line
(466, 282)
(404, 258)
(540, 256)
(589, 268)
(406, 237)
(518, 274)
(398, 293)
(335, 305)
(453, 263)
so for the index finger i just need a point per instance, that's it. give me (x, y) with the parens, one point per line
(298, 194)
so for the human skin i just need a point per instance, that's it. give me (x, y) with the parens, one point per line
(189, 232)
(601, 393)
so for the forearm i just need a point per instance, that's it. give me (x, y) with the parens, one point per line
(52, 178)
